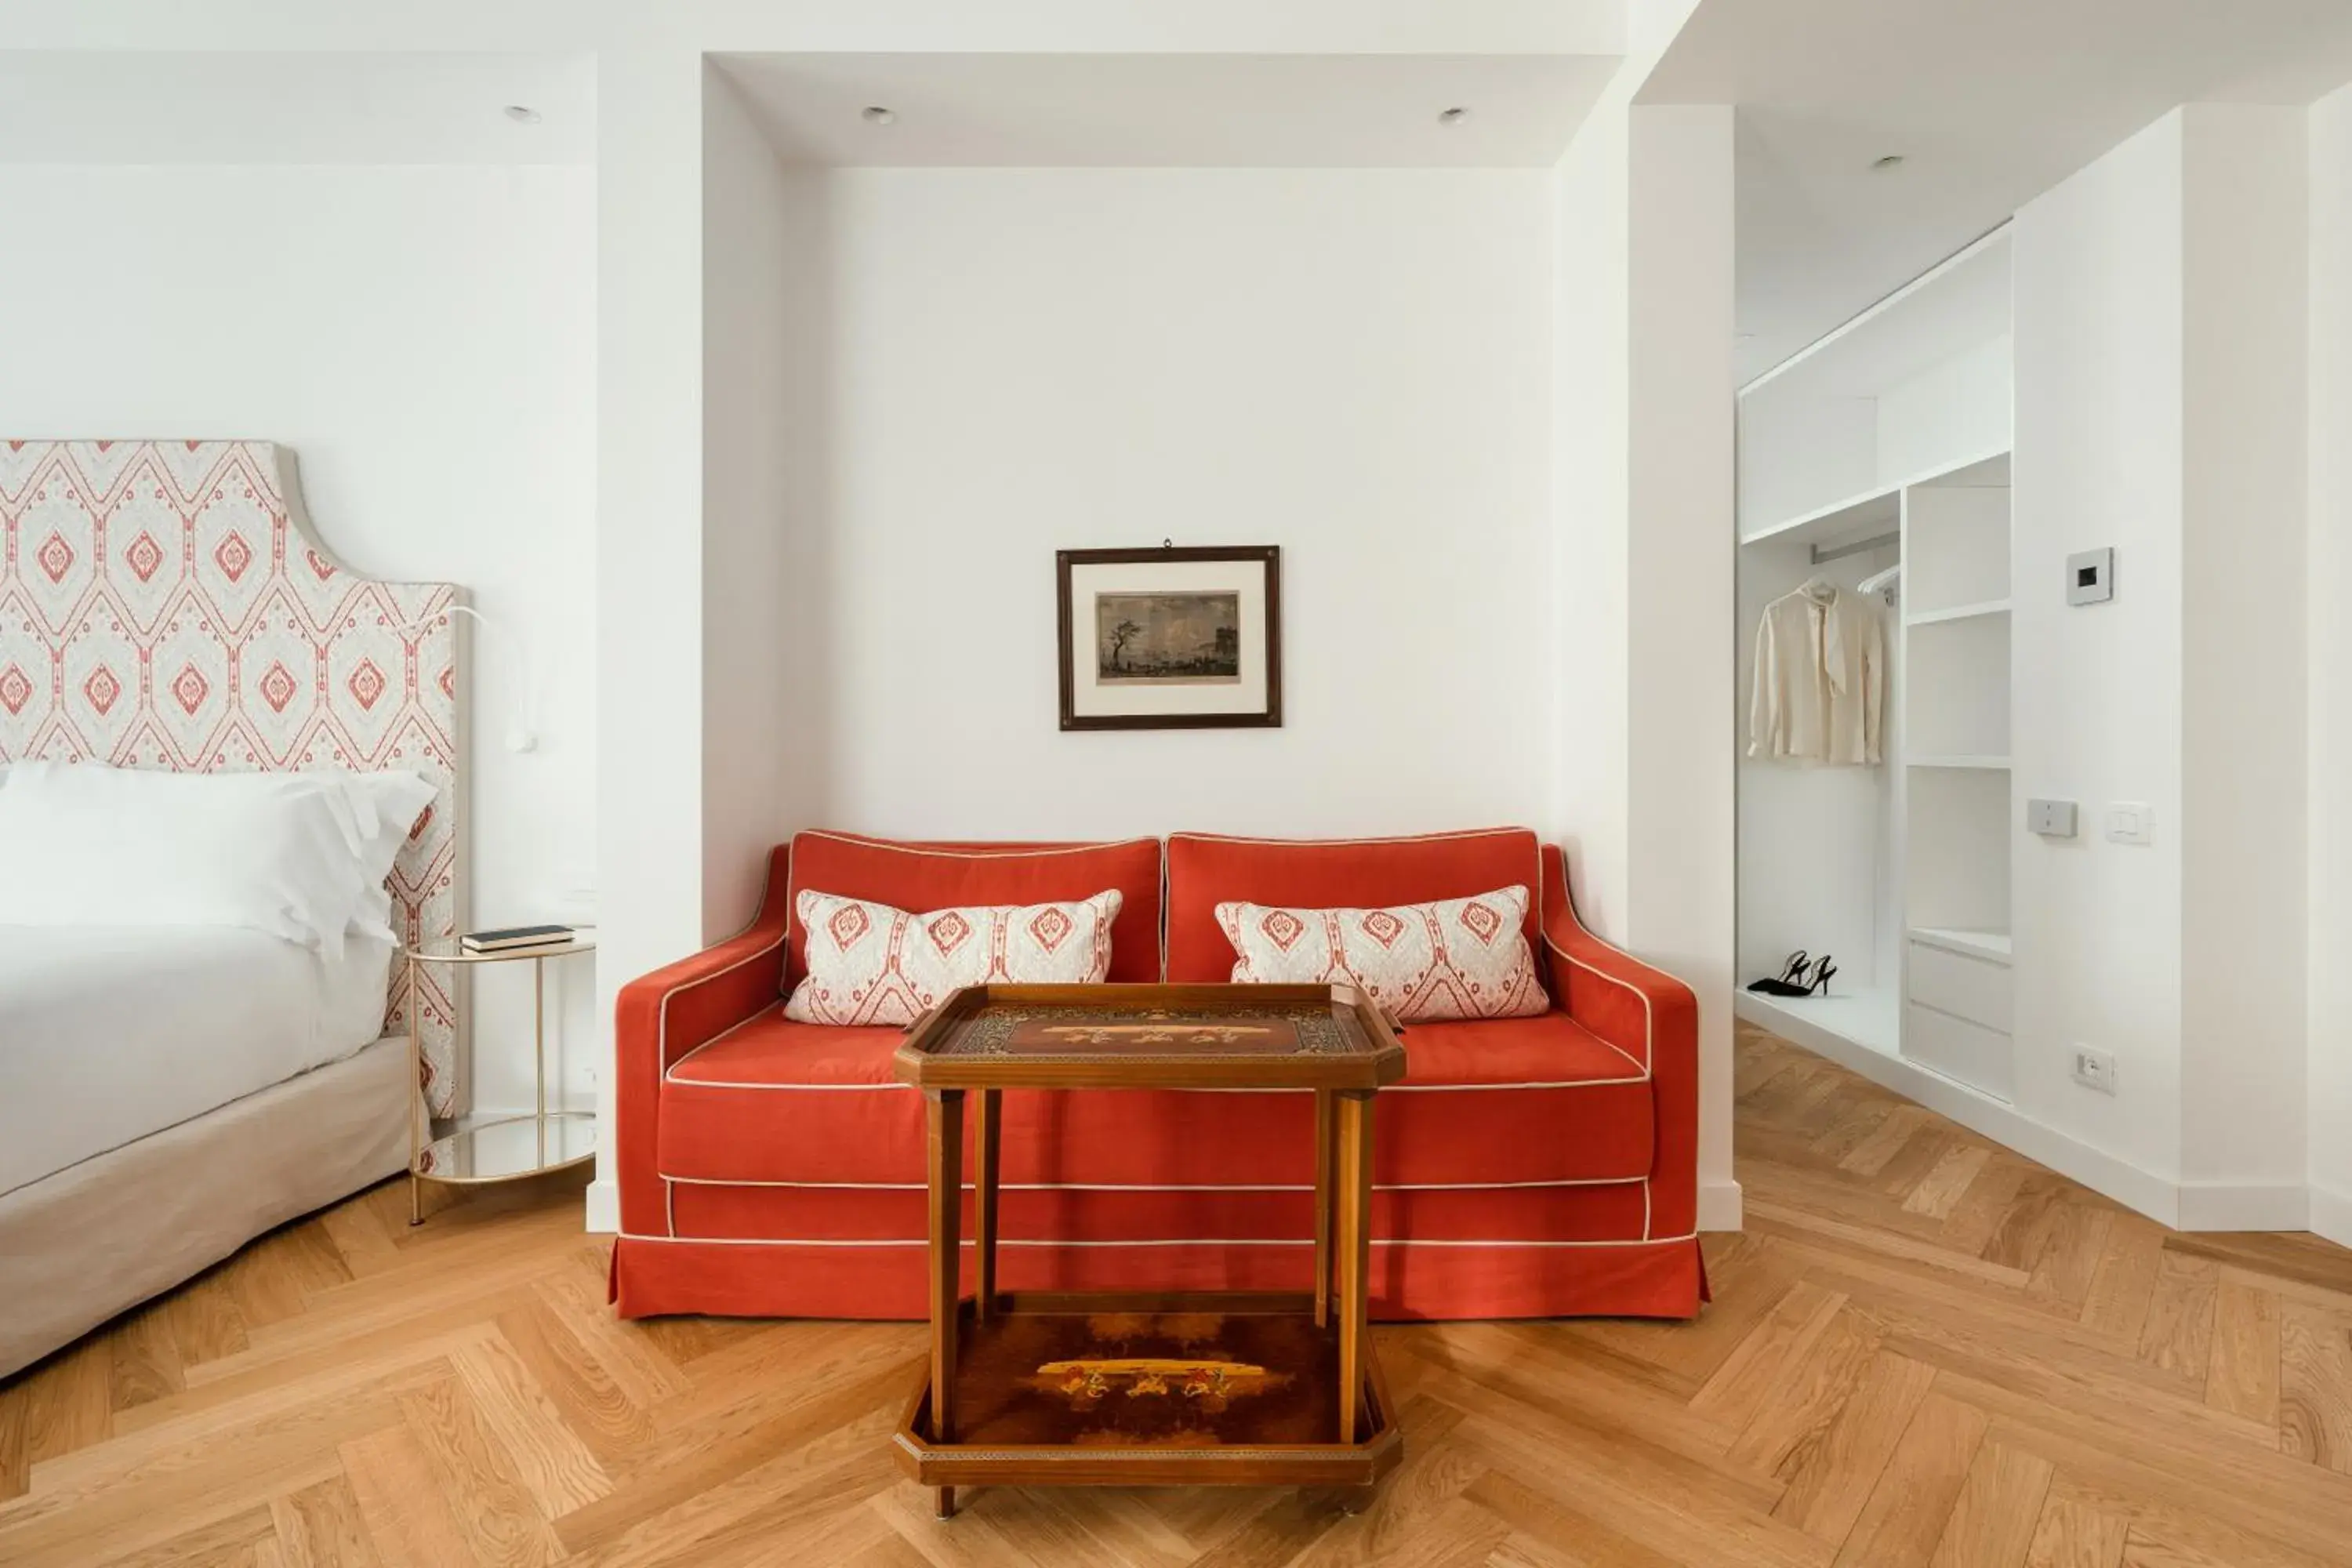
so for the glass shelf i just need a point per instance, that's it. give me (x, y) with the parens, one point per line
(509, 1148)
(448, 952)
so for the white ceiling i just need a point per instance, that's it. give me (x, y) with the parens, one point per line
(105, 107)
(1170, 110)
(1990, 103)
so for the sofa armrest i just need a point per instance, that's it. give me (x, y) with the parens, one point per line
(1651, 1017)
(661, 1016)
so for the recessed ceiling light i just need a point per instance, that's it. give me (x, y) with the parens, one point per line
(874, 114)
(523, 114)
(1454, 116)
(1890, 161)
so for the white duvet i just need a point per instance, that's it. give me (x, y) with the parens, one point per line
(108, 1034)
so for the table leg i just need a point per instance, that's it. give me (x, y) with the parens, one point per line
(415, 1102)
(1324, 1160)
(538, 1050)
(946, 1159)
(985, 1142)
(1355, 1226)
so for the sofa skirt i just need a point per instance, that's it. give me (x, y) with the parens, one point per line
(1411, 1281)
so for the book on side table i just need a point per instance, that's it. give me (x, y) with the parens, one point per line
(511, 937)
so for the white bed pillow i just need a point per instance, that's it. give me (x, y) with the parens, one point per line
(383, 810)
(302, 857)
(871, 964)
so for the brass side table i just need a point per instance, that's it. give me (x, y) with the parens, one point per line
(507, 1147)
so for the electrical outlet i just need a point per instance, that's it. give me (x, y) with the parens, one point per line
(2095, 1068)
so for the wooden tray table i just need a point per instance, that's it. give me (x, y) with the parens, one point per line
(1260, 1388)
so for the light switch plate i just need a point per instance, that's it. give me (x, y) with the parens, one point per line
(2051, 818)
(2091, 577)
(2131, 822)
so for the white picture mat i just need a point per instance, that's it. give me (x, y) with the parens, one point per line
(1090, 699)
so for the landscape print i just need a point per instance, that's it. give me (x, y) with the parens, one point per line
(1168, 639)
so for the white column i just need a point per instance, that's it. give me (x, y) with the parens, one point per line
(762, 462)
(649, 827)
(1642, 500)
(1679, 588)
(1588, 476)
(2244, 1043)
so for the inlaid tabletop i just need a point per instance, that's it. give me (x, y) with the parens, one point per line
(1142, 1036)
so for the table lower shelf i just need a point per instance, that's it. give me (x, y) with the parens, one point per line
(1185, 1389)
(508, 1148)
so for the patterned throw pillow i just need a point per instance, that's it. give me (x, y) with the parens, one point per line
(869, 963)
(1459, 958)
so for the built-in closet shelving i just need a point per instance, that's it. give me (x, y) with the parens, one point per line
(1957, 819)
(1886, 444)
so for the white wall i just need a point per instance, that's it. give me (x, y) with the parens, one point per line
(1353, 365)
(759, 444)
(2161, 393)
(424, 340)
(2095, 711)
(1591, 374)
(1681, 495)
(2329, 988)
(2245, 1046)
(649, 573)
(1642, 501)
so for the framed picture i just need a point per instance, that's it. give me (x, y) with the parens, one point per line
(1171, 639)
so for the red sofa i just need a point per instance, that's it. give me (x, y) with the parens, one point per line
(1526, 1167)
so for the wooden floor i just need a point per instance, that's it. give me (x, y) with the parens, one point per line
(1925, 1350)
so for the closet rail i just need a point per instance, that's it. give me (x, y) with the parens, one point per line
(1877, 541)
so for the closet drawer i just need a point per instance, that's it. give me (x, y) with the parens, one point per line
(1981, 1057)
(1969, 988)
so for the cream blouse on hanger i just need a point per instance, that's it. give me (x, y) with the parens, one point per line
(1821, 679)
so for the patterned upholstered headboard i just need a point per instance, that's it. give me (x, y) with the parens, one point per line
(163, 605)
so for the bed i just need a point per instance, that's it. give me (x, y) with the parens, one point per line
(169, 1092)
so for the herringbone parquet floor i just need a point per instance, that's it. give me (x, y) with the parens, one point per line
(1925, 1350)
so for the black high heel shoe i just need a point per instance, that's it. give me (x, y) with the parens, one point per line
(1800, 979)
(1791, 973)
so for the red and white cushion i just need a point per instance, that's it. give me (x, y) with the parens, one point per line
(1459, 958)
(870, 963)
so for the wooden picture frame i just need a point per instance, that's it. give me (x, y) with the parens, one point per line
(1173, 639)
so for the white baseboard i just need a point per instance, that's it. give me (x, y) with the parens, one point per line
(604, 1208)
(2245, 1205)
(2152, 1195)
(2331, 1215)
(2184, 1205)
(1720, 1205)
